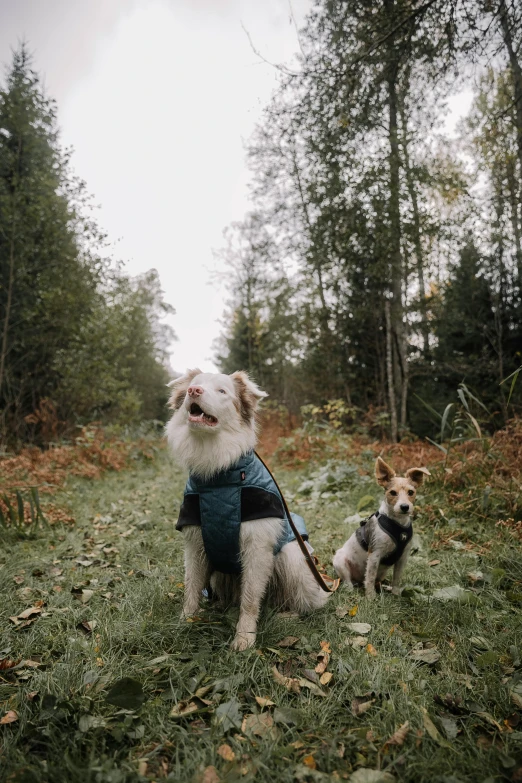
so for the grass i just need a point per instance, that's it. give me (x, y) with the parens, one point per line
(118, 570)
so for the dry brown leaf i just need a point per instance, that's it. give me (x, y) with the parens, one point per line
(210, 775)
(260, 724)
(31, 611)
(370, 649)
(361, 704)
(323, 657)
(400, 735)
(290, 683)
(325, 678)
(183, 708)
(434, 562)
(19, 579)
(356, 641)
(226, 752)
(310, 762)
(10, 717)
(6, 663)
(288, 641)
(263, 702)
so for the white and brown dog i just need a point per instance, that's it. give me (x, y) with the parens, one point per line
(384, 539)
(236, 537)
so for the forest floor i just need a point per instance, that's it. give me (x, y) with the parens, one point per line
(100, 680)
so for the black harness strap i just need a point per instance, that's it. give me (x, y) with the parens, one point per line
(400, 536)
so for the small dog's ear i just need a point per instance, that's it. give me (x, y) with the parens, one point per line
(416, 475)
(383, 472)
(179, 388)
(248, 395)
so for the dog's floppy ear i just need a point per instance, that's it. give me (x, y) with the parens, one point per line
(416, 475)
(248, 394)
(383, 472)
(179, 388)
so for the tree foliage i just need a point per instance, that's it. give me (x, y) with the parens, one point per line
(79, 340)
(399, 255)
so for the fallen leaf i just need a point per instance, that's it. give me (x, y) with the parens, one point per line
(516, 695)
(87, 626)
(228, 715)
(432, 729)
(259, 724)
(10, 717)
(290, 683)
(356, 641)
(309, 761)
(264, 702)
(325, 678)
(30, 612)
(288, 641)
(341, 611)
(31, 696)
(226, 752)
(434, 562)
(365, 775)
(449, 725)
(19, 579)
(86, 722)
(6, 663)
(480, 642)
(210, 775)
(287, 715)
(312, 687)
(398, 737)
(370, 649)
(456, 593)
(353, 611)
(359, 628)
(361, 704)
(429, 656)
(127, 694)
(183, 708)
(323, 657)
(84, 563)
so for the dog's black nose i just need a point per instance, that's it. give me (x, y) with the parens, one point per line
(405, 508)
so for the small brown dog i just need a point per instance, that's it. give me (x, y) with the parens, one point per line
(384, 539)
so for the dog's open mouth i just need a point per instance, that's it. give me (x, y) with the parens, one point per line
(198, 416)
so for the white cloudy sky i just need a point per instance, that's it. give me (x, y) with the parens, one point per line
(157, 98)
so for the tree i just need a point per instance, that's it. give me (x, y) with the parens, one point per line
(65, 311)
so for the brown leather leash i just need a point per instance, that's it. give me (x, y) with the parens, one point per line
(321, 579)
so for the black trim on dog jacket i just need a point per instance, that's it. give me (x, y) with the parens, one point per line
(399, 534)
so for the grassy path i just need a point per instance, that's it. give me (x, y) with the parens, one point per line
(106, 598)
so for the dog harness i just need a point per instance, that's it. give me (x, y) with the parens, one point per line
(399, 534)
(243, 492)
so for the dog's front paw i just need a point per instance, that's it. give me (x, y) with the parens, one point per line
(187, 613)
(371, 595)
(243, 641)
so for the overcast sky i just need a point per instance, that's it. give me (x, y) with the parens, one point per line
(157, 97)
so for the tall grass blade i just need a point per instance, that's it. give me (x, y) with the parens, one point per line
(428, 407)
(463, 399)
(444, 451)
(444, 421)
(472, 397)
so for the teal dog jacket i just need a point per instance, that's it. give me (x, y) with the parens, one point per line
(243, 493)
